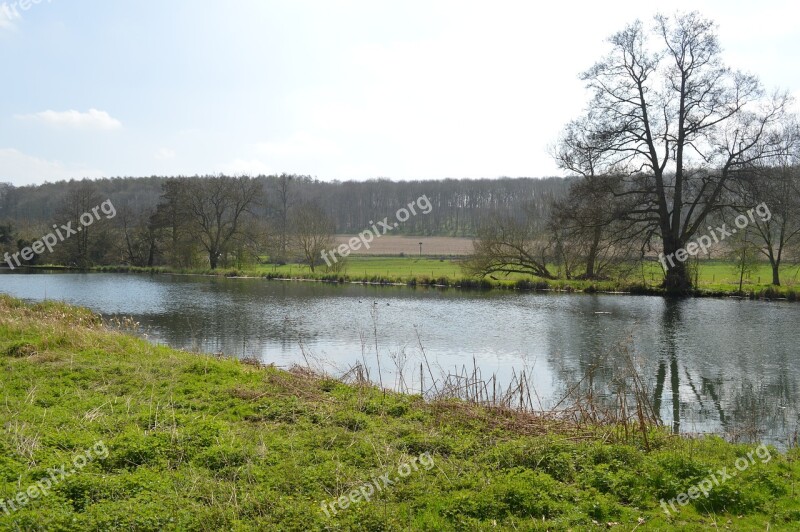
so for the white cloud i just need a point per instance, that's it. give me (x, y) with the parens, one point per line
(93, 119)
(21, 169)
(164, 154)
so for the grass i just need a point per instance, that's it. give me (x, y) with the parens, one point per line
(201, 443)
(402, 269)
(715, 277)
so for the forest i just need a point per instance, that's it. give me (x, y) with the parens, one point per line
(160, 219)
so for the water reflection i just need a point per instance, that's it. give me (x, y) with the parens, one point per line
(710, 365)
(670, 323)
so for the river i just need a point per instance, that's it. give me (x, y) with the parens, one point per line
(710, 365)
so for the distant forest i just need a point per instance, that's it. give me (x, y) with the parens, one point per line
(460, 206)
(211, 221)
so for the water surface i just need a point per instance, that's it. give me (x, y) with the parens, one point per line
(711, 365)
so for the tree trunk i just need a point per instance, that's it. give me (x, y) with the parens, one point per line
(151, 251)
(776, 279)
(677, 281)
(592, 258)
(212, 260)
(741, 269)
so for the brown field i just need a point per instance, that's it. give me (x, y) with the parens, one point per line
(396, 244)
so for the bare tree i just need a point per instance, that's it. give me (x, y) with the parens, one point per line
(743, 253)
(81, 249)
(591, 231)
(313, 233)
(216, 207)
(141, 235)
(174, 227)
(284, 200)
(591, 224)
(776, 186)
(679, 122)
(507, 246)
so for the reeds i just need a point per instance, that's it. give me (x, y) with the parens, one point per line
(621, 406)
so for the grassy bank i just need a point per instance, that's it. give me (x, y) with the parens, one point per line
(193, 442)
(714, 278)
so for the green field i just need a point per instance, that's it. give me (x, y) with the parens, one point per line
(400, 268)
(151, 438)
(714, 277)
(712, 272)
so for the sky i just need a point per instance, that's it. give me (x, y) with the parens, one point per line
(333, 89)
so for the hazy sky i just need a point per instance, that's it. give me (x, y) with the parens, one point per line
(333, 89)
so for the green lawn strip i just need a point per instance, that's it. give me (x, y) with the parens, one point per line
(715, 278)
(199, 443)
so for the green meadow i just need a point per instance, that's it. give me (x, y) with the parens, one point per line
(195, 442)
(712, 274)
(713, 277)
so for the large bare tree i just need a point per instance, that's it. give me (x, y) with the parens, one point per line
(175, 228)
(682, 125)
(216, 207)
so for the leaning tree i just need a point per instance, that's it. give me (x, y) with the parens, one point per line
(679, 123)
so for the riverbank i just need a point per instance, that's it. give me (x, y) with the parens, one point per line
(197, 442)
(714, 278)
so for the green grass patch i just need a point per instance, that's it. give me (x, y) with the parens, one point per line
(714, 277)
(200, 443)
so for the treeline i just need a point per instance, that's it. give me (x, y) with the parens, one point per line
(461, 206)
(677, 156)
(218, 220)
